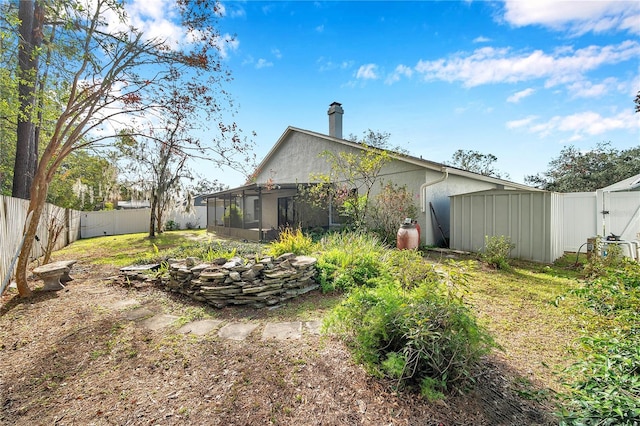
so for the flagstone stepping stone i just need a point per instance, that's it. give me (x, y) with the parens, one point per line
(122, 304)
(200, 327)
(313, 327)
(96, 290)
(158, 322)
(138, 313)
(236, 331)
(282, 331)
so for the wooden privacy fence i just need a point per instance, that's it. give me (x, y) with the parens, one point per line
(58, 227)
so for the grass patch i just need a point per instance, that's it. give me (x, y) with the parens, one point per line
(519, 306)
(124, 250)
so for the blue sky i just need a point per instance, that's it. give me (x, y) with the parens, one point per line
(517, 79)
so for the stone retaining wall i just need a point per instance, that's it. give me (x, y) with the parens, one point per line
(242, 282)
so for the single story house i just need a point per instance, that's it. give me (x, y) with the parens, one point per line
(257, 210)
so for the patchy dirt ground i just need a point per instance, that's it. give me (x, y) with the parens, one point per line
(71, 358)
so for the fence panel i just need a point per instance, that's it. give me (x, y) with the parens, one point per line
(114, 222)
(57, 224)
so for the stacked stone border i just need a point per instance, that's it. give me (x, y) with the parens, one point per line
(257, 283)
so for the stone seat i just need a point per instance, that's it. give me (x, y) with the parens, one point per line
(54, 273)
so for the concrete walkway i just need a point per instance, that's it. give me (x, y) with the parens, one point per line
(145, 317)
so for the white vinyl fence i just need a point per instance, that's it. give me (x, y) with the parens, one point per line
(13, 214)
(589, 214)
(74, 225)
(131, 221)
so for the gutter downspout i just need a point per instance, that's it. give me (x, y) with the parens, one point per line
(423, 198)
(423, 194)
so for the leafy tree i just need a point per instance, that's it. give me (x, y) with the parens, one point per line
(577, 171)
(8, 93)
(477, 162)
(377, 139)
(98, 66)
(31, 16)
(350, 181)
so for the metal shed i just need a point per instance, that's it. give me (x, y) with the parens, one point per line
(531, 219)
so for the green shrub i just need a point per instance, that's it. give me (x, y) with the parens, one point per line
(171, 225)
(419, 338)
(291, 241)
(496, 251)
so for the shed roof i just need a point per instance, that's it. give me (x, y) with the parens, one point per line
(629, 184)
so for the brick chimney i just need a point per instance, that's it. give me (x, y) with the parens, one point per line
(335, 120)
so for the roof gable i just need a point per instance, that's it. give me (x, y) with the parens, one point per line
(426, 164)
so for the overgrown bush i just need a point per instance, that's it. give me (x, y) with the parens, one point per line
(409, 268)
(607, 388)
(391, 206)
(291, 241)
(349, 259)
(496, 251)
(608, 391)
(420, 339)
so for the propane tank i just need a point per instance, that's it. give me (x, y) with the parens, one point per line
(408, 236)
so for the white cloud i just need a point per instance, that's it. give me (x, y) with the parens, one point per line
(587, 89)
(328, 65)
(367, 72)
(481, 39)
(516, 97)
(276, 53)
(227, 43)
(578, 17)
(263, 63)
(320, 28)
(515, 124)
(400, 71)
(579, 125)
(489, 65)
(155, 19)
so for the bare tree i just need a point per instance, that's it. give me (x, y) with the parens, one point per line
(104, 84)
(158, 150)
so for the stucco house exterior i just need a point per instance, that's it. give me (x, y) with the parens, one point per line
(255, 211)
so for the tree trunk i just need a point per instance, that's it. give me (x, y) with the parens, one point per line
(159, 218)
(152, 216)
(31, 17)
(36, 205)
